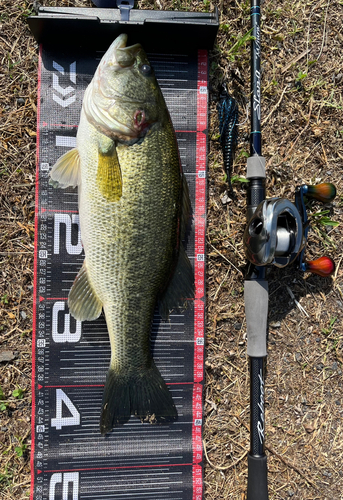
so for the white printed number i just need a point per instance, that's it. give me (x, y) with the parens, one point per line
(67, 478)
(72, 249)
(60, 421)
(67, 335)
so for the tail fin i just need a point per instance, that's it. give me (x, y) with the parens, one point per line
(143, 394)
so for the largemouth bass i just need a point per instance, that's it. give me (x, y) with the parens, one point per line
(134, 207)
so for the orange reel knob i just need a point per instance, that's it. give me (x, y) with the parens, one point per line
(324, 192)
(324, 266)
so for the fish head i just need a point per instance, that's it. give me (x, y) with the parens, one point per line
(122, 99)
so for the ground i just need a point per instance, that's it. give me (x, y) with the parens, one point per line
(302, 134)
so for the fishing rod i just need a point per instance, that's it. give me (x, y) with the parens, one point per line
(275, 234)
(256, 285)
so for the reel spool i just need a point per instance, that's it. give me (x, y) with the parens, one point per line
(277, 232)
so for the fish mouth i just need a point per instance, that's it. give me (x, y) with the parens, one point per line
(119, 55)
(126, 56)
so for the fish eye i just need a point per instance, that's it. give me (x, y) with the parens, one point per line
(145, 69)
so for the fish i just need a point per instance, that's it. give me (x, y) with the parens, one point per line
(134, 209)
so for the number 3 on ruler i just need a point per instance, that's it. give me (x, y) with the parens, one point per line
(60, 421)
(67, 335)
(66, 478)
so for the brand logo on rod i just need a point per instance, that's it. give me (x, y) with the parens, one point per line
(257, 42)
(260, 423)
(257, 94)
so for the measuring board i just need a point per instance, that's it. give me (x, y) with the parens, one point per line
(70, 459)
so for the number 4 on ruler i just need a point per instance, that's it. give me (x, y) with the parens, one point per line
(60, 421)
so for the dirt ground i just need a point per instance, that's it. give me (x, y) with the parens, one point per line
(302, 137)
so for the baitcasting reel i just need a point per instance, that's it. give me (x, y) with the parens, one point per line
(277, 232)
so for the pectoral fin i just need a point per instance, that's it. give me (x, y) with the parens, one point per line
(84, 304)
(180, 288)
(66, 171)
(109, 175)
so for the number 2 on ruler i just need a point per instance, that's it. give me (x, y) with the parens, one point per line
(60, 421)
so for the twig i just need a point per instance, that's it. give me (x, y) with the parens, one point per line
(296, 140)
(274, 108)
(219, 287)
(289, 464)
(30, 184)
(294, 60)
(299, 306)
(15, 253)
(324, 31)
(225, 258)
(219, 467)
(235, 249)
(337, 268)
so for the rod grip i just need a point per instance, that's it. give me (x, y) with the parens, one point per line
(257, 478)
(256, 312)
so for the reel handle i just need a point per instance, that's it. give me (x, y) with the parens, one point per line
(324, 266)
(324, 192)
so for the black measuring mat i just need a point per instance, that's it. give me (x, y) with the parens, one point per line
(70, 459)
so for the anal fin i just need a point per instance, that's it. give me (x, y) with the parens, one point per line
(84, 304)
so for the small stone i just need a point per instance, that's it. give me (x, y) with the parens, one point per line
(4, 428)
(334, 366)
(6, 356)
(237, 326)
(20, 101)
(297, 356)
(225, 199)
(276, 324)
(290, 493)
(23, 314)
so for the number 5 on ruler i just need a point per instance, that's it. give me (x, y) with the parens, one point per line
(60, 421)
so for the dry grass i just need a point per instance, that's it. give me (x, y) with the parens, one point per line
(302, 142)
